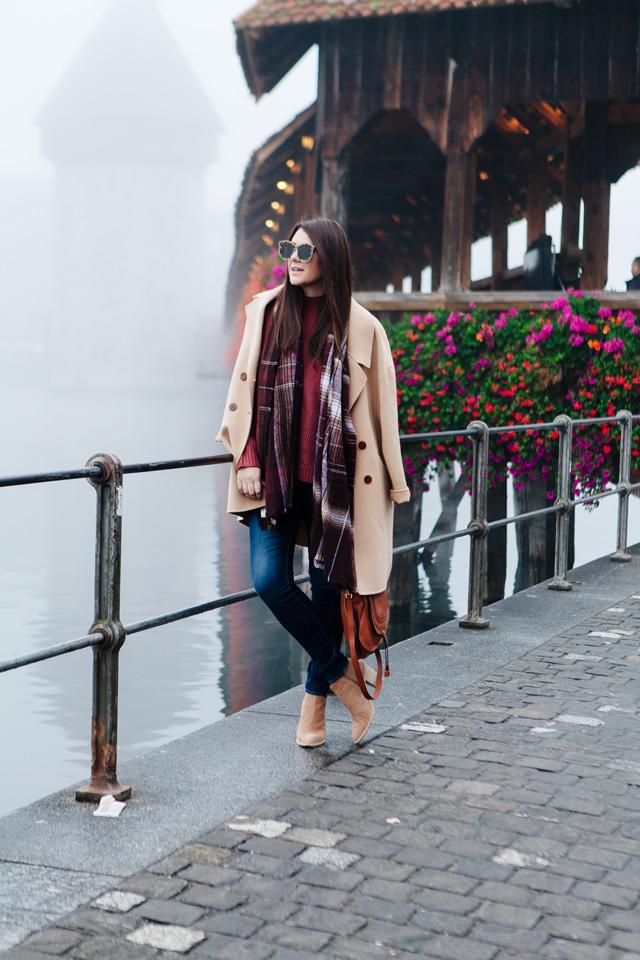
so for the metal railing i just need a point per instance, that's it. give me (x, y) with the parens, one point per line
(107, 634)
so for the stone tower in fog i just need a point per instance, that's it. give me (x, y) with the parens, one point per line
(130, 133)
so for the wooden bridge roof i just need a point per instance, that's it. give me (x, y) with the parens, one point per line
(271, 13)
(273, 35)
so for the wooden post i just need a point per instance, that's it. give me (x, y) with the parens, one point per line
(597, 198)
(403, 582)
(536, 199)
(571, 196)
(435, 263)
(496, 572)
(535, 538)
(457, 228)
(596, 193)
(334, 200)
(398, 274)
(499, 235)
(467, 223)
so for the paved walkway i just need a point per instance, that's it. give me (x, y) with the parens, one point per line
(500, 823)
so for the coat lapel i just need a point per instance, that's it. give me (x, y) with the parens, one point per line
(359, 346)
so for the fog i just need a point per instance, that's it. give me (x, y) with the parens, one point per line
(117, 256)
(125, 127)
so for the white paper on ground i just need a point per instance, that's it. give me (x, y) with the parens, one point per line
(109, 807)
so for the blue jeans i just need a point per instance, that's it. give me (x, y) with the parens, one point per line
(316, 624)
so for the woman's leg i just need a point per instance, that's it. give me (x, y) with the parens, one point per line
(326, 600)
(272, 573)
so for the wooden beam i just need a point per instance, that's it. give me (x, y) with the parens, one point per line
(468, 221)
(457, 227)
(499, 231)
(501, 300)
(334, 199)
(536, 198)
(595, 248)
(571, 196)
(596, 193)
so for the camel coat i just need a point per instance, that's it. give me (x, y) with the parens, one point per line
(379, 476)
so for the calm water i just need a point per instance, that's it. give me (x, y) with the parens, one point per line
(179, 548)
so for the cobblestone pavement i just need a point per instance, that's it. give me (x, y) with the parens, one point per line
(503, 824)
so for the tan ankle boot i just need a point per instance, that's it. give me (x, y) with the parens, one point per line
(361, 709)
(312, 726)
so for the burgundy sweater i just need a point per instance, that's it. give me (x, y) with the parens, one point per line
(310, 397)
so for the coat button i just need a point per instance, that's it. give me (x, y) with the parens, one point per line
(233, 406)
(362, 445)
(243, 376)
(367, 479)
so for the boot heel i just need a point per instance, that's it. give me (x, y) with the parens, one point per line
(361, 710)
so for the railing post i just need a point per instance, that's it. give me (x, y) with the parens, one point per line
(479, 527)
(565, 433)
(625, 419)
(104, 724)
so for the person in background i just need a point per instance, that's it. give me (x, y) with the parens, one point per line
(311, 421)
(634, 283)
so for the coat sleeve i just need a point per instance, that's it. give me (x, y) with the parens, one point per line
(391, 452)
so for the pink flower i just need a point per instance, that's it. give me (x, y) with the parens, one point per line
(471, 304)
(450, 349)
(575, 340)
(546, 331)
(513, 312)
(560, 303)
(578, 325)
(416, 320)
(429, 318)
(278, 271)
(616, 345)
(604, 312)
(501, 322)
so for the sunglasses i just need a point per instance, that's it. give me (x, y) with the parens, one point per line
(303, 251)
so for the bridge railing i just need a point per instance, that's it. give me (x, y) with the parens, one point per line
(107, 633)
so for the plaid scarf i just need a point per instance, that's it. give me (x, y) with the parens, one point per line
(279, 405)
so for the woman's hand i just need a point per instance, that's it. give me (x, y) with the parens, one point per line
(249, 480)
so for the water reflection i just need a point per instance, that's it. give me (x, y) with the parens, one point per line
(179, 548)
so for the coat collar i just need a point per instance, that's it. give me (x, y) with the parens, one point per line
(361, 329)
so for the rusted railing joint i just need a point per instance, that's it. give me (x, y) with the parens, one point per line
(564, 429)
(478, 527)
(104, 721)
(625, 419)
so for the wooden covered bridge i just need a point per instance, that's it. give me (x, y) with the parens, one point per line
(439, 122)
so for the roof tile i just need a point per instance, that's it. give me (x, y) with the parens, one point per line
(283, 12)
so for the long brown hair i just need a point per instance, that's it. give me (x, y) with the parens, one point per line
(332, 247)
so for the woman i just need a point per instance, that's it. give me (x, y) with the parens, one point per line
(311, 421)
